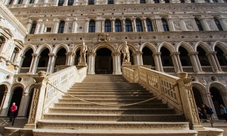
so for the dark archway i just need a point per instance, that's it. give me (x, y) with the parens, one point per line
(2, 92)
(147, 57)
(217, 99)
(61, 57)
(27, 61)
(43, 61)
(17, 95)
(220, 55)
(197, 96)
(103, 62)
(77, 56)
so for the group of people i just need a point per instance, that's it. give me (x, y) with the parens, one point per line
(206, 113)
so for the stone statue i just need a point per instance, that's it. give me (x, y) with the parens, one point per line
(83, 51)
(126, 53)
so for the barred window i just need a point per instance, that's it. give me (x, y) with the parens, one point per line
(142, 1)
(107, 26)
(165, 25)
(128, 25)
(218, 24)
(139, 26)
(149, 25)
(61, 27)
(118, 27)
(90, 2)
(60, 2)
(110, 1)
(32, 30)
(70, 2)
(198, 23)
(91, 26)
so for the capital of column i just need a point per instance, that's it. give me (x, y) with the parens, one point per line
(137, 53)
(211, 53)
(51, 55)
(116, 54)
(34, 55)
(70, 53)
(91, 54)
(175, 53)
(193, 53)
(156, 54)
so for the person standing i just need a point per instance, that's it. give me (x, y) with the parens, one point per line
(209, 113)
(13, 110)
(223, 112)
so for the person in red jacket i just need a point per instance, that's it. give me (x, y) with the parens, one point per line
(13, 110)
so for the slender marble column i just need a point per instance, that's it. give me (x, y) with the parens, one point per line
(211, 59)
(116, 63)
(74, 26)
(69, 58)
(144, 24)
(51, 63)
(195, 62)
(176, 61)
(157, 61)
(34, 63)
(37, 29)
(56, 25)
(91, 62)
(138, 59)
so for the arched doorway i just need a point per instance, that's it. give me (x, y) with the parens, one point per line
(147, 57)
(103, 62)
(217, 99)
(17, 95)
(197, 96)
(2, 91)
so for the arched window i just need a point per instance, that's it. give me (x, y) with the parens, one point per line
(218, 24)
(14, 55)
(90, 2)
(32, 31)
(91, 26)
(118, 27)
(166, 1)
(142, 1)
(70, 2)
(128, 25)
(139, 26)
(149, 25)
(107, 26)
(156, 1)
(60, 2)
(32, 1)
(61, 27)
(110, 1)
(182, 1)
(198, 24)
(165, 25)
(20, 1)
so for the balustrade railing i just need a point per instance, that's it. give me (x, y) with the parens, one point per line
(175, 91)
(188, 69)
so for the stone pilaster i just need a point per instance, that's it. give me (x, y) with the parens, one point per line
(116, 63)
(91, 63)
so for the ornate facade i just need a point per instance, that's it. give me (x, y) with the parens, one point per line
(170, 36)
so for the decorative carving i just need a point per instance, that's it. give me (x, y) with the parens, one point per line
(102, 37)
(189, 25)
(177, 25)
(34, 106)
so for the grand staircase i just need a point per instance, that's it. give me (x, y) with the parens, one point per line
(108, 106)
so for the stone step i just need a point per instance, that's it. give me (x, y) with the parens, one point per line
(133, 132)
(109, 93)
(144, 105)
(108, 100)
(112, 110)
(106, 90)
(87, 97)
(111, 125)
(116, 96)
(114, 117)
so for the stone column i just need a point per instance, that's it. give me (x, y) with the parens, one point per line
(24, 104)
(66, 27)
(65, 3)
(102, 25)
(6, 102)
(69, 58)
(42, 28)
(29, 25)
(176, 61)
(86, 25)
(157, 61)
(144, 24)
(223, 23)
(195, 62)
(56, 25)
(116, 63)
(123, 24)
(158, 23)
(113, 24)
(204, 23)
(91, 62)
(138, 59)
(34, 63)
(51, 63)
(134, 29)
(213, 62)
(74, 27)
(170, 24)
(37, 29)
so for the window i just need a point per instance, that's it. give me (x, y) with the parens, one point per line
(215, 1)
(20, 1)
(142, 1)
(149, 25)
(118, 27)
(32, 31)
(70, 2)
(90, 2)
(61, 27)
(182, 1)
(2, 40)
(128, 25)
(14, 55)
(139, 26)
(165, 25)
(192, 1)
(156, 1)
(48, 29)
(60, 2)
(166, 1)
(198, 24)
(218, 24)
(110, 1)
(207, 1)
(32, 1)
(11, 2)
(92, 26)
(107, 26)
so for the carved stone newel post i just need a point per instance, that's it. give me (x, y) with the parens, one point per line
(188, 102)
(38, 99)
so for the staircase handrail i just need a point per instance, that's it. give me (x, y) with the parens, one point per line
(180, 98)
(44, 95)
